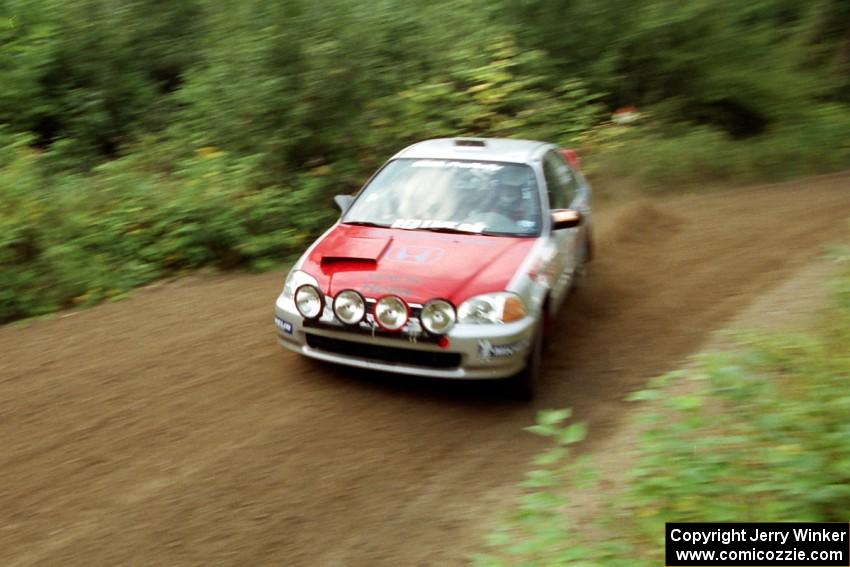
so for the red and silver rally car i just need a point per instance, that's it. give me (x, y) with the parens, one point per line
(451, 262)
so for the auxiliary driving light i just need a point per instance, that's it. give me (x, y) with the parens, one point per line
(349, 307)
(309, 301)
(391, 312)
(438, 316)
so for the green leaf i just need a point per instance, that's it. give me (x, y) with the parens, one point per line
(553, 417)
(572, 434)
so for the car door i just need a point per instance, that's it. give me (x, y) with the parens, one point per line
(564, 192)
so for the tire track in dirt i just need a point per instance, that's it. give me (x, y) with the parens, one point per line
(171, 428)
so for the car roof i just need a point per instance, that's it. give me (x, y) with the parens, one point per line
(485, 149)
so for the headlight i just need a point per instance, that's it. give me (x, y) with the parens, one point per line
(349, 307)
(391, 312)
(309, 301)
(437, 316)
(294, 280)
(502, 307)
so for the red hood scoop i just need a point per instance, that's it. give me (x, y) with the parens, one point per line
(355, 249)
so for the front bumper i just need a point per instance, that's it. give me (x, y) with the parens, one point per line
(472, 352)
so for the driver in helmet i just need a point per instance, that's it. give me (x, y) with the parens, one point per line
(508, 194)
(501, 204)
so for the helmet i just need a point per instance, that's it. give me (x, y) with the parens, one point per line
(508, 196)
(511, 186)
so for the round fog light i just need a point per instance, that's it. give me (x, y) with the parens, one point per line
(349, 307)
(309, 301)
(438, 316)
(391, 312)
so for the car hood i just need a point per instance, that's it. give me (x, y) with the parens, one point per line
(416, 265)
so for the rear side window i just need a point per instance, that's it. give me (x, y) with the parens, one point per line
(561, 183)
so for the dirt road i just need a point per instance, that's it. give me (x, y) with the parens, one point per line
(171, 429)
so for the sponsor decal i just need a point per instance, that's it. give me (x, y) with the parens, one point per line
(397, 284)
(284, 326)
(477, 243)
(414, 224)
(488, 350)
(373, 288)
(416, 254)
(443, 164)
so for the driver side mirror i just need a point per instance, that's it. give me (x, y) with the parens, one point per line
(343, 202)
(565, 218)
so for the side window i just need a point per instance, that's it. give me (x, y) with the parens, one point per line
(568, 180)
(557, 195)
(560, 181)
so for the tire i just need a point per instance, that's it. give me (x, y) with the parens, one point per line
(523, 384)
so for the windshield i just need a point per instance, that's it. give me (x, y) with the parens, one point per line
(451, 195)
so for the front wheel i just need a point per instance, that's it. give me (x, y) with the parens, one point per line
(523, 384)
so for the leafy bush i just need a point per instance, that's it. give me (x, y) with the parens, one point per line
(289, 80)
(92, 72)
(754, 435)
(663, 156)
(736, 66)
(77, 239)
(116, 102)
(494, 91)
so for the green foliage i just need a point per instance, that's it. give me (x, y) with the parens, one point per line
(306, 99)
(737, 66)
(78, 239)
(494, 91)
(293, 78)
(539, 532)
(301, 83)
(91, 71)
(659, 156)
(759, 433)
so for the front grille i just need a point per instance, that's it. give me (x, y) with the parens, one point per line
(393, 355)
